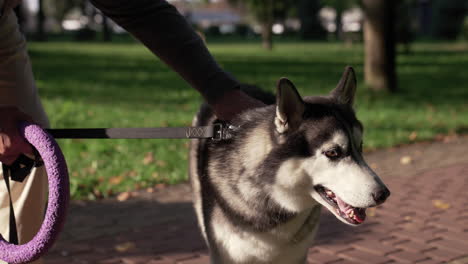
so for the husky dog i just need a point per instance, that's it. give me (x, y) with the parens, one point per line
(258, 194)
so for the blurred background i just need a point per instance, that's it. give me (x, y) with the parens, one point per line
(411, 58)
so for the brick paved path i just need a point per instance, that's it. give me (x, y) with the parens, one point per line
(424, 221)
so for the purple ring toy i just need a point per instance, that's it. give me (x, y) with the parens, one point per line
(59, 195)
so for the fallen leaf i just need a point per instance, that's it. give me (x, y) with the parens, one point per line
(137, 186)
(160, 186)
(124, 247)
(116, 180)
(161, 163)
(149, 158)
(91, 170)
(155, 175)
(405, 160)
(413, 135)
(97, 193)
(131, 173)
(123, 196)
(441, 204)
(150, 190)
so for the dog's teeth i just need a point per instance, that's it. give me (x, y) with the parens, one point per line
(351, 214)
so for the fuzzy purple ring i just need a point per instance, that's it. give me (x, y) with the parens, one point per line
(59, 195)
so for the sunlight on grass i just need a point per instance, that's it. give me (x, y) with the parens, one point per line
(124, 85)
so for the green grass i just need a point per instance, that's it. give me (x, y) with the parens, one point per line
(123, 85)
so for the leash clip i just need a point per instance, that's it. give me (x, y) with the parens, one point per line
(221, 131)
(218, 132)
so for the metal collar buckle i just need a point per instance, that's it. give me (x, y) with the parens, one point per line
(222, 131)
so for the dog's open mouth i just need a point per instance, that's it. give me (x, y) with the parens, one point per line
(353, 215)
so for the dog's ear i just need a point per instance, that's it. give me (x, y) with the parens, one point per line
(346, 88)
(289, 106)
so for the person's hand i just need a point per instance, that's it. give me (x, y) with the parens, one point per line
(12, 144)
(234, 103)
(8, 5)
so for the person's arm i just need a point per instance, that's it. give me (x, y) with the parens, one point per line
(161, 28)
(11, 143)
(7, 6)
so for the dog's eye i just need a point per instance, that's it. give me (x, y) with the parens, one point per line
(333, 153)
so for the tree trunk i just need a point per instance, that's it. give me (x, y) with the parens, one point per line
(265, 17)
(267, 35)
(379, 45)
(338, 23)
(106, 32)
(41, 32)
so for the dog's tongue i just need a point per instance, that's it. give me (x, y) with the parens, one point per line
(359, 213)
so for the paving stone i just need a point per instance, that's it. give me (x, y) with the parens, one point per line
(322, 258)
(416, 235)
(363, 257)
(443, 254)
(180, 256)
(373, 246)
(404, 256)
(413, 246)
(452, 245)
(198, 260)
(161, 261)
(430, 261)
(334, 248)
(137, 259)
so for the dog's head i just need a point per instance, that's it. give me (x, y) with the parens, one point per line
(328, 166)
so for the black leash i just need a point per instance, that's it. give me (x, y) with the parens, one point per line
(13, 237)
(216, 132)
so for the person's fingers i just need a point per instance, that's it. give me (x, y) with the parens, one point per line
(12, 144)
(8, 160)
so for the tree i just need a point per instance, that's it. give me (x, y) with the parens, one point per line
(265, 12)
(41, 32)
(448, 18)
(340, 6)
(58, 9)
(106, 31)
(379, 45)
(307, 12)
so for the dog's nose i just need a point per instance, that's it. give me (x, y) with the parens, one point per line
(381, 196)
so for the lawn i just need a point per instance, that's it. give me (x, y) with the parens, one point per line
(124, 85)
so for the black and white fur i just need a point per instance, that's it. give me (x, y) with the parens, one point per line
(258, 195)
